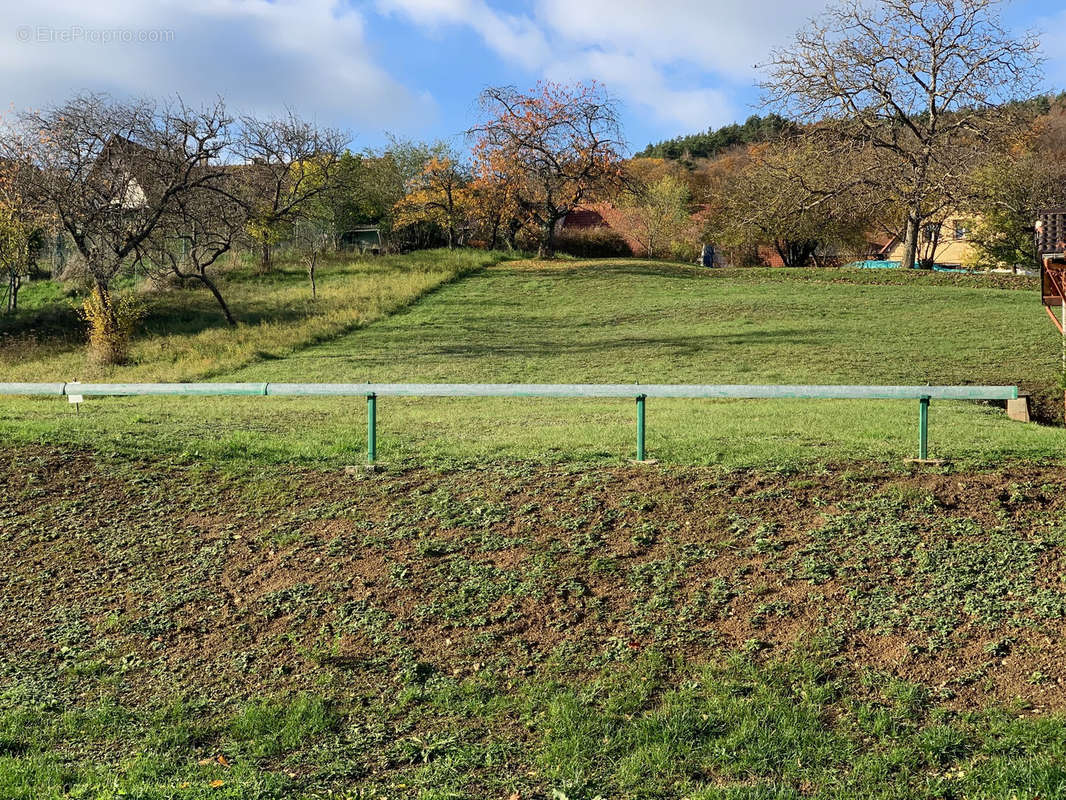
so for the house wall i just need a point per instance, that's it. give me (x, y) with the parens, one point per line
(950, 251)
(769, 256)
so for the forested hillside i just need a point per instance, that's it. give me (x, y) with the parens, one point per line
(714, 140)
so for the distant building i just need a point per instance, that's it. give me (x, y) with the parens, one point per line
(948, 242)
(364, 238)
(124, 173)
(600, 217)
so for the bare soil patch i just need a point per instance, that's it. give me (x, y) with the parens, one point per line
(158, 576)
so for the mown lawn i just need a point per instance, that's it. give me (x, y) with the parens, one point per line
(633, 321)
(626, 321)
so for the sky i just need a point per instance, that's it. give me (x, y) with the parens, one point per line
(414, 68)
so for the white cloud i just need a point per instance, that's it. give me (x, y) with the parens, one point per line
(635, 47)
(727, 37)
(261, 55)
(645, 86)
(513, 36)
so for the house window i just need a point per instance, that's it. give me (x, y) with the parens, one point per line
(961, 230)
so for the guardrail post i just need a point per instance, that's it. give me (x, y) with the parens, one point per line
(371, 428)
(640, 426)
(923, 428)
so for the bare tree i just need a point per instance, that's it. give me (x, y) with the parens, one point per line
(315, 233)
(109, 172)
(767, 202)
(201, 226)
(314, 239)
(288, 163)
(560, 147)
(921, 83)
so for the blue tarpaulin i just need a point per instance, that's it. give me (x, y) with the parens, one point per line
(874, 264)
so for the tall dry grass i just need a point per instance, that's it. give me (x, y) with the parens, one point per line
(184, 337)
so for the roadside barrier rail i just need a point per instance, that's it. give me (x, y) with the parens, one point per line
(637, 391)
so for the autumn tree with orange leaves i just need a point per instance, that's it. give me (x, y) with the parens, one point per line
(439, 194)
(558, 148)
(495, 212)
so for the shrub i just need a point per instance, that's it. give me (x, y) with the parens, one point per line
(109, 333)
(592, 243)
(685, 250)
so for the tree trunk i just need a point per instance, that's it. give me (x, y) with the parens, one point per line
(910, 240)
(311, 263)
(782, 249)
(547, 240)
(494, 239)
(928, 259)
(451, 238)
(794, 253)
(13, 284)
(218, 296)
(104, 291)
(513, 227)
(264, 258)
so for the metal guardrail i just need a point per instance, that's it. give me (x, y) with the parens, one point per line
(639, 392)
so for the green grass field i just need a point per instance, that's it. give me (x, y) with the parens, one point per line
(201, 601)
(589, 322)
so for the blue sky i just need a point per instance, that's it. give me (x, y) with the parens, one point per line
(415, 67)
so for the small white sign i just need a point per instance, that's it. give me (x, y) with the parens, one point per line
(72, 386)
(74, 398)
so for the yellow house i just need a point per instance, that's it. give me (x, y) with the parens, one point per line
(946, 243)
